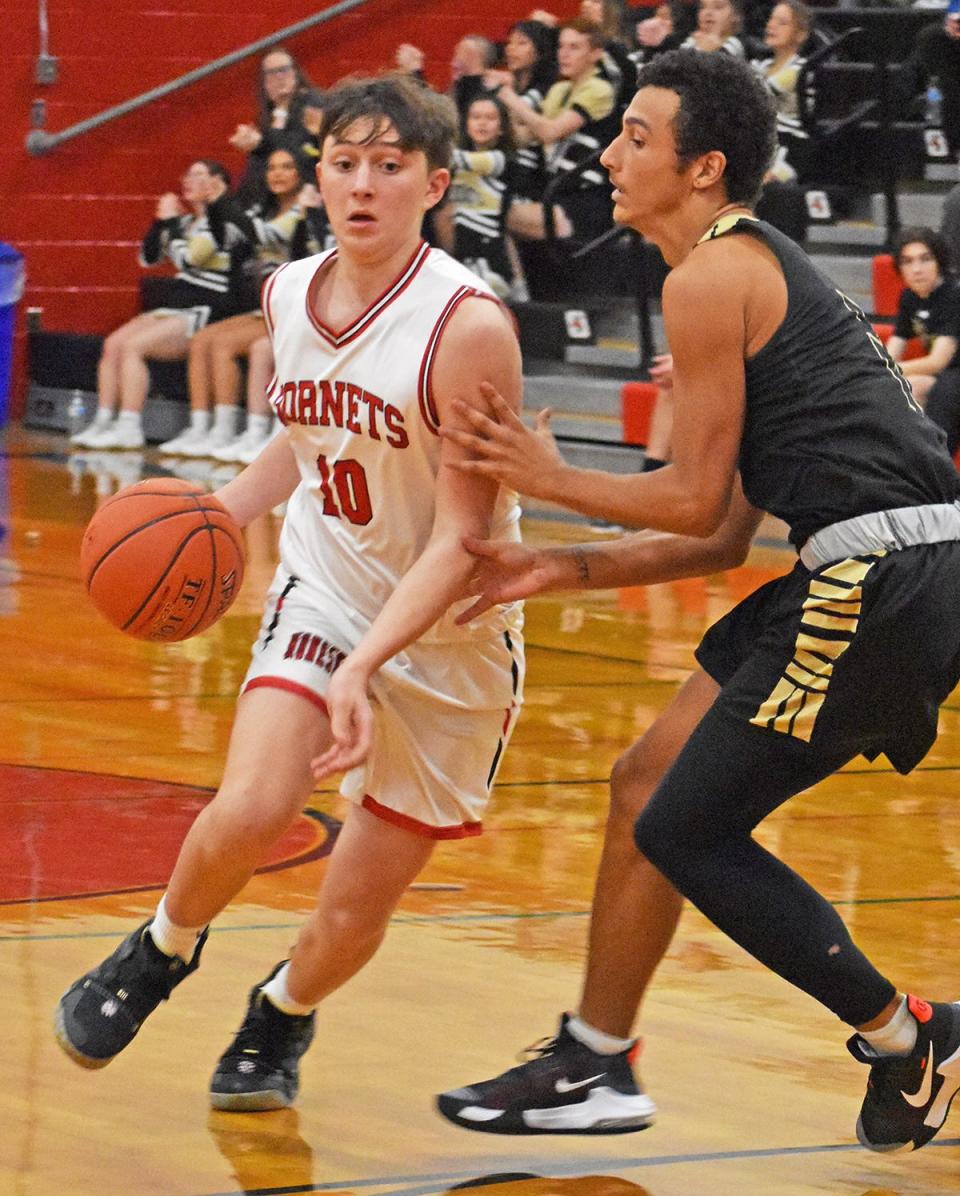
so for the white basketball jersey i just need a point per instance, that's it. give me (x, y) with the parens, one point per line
(359, 412)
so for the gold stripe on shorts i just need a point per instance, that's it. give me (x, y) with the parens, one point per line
(830, 618)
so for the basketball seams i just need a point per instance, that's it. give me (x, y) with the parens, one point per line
(205, 529)
(141, 527)
(180, 563)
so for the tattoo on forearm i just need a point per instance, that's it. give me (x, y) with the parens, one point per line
(583, 565)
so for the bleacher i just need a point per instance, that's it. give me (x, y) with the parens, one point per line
(593, 322)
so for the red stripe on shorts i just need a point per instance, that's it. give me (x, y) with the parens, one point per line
(462, 831)
(290, 686)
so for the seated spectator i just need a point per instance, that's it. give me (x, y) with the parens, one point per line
(788, 27)
(578, 118)
(783, 202)
(199, 295)
(929, 310)
(262, 424)
(718, 23)
(530, 71)
(936, 52)
(270, 229)
(473, 55)
(289, 113)
(479, 195)
(616, 65)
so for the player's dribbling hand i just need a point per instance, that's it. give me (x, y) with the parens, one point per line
(503, 448)
(505, 572)
(351, 723)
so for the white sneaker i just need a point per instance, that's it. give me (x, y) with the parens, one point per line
(255, 446)
(101, 421)
(207, 445)
(117, 436)
(182, 440)
(248, 441)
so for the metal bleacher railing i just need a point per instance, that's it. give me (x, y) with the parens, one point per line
(39, 141)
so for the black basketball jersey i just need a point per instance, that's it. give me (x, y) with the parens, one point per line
(831, 429)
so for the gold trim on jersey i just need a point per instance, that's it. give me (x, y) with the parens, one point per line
(833, 604)
(725, 224)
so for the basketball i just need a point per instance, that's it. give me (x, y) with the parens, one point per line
(162, 560)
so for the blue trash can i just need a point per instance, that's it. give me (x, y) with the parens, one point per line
(12, 278)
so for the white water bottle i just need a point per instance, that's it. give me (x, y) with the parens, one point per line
(76, 413)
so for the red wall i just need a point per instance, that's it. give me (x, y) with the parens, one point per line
(77, 214)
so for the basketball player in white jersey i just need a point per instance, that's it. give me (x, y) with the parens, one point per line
(373, 342)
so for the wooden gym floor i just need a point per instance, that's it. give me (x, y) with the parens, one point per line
(109, 746)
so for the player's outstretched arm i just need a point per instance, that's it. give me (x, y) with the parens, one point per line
(704, 312)
(478, 343)
(506, 572)
(265, 483)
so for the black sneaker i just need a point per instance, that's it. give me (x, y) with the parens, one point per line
(565, 1088)
(260, 1070)
(908, 1096)
(102, 1012)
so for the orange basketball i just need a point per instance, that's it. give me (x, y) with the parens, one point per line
(162, 560)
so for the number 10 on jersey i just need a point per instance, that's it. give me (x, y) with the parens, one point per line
(345, 491)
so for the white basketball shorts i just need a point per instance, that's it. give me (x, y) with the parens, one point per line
(443, 712)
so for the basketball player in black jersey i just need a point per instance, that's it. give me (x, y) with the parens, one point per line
(785, 402)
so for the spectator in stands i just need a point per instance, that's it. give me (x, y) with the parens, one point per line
(197, 296)
(616, 65)
(473, 55)
(262, 424)
(530, 71)
(937, 52)
(270, 229)
(783, 202)
(788, 27)
(578, 118)
(479, 196)
(289, 112)
(718, 23)
(929, 310)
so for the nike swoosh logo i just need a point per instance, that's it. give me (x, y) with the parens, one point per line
(919, 1098)
(564, 1085)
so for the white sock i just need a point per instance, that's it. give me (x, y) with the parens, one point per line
(104, 416)
(200, 421)
(225, 418)
(897, 1037)
(259, 425)
(596, 1040)
(170, 938)
(276, 989)
(128, 419)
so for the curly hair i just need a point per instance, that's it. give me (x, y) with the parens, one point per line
(723, 106)
(424, 119)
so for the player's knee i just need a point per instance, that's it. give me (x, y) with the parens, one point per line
(633, 779)
(349, 924)
(243, 825)
(112, 345)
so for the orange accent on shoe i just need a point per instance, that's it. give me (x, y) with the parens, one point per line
(635, 1052)
(921, 1010)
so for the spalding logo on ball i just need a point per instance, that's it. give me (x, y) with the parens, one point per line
(162, 560)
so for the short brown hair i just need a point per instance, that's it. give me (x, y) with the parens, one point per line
(587, 29)
(424, 120)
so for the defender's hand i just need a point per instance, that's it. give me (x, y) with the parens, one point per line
(503, 448)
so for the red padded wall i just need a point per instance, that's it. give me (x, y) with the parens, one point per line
(77, 214)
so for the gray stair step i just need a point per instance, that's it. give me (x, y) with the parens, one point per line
(573, 395)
